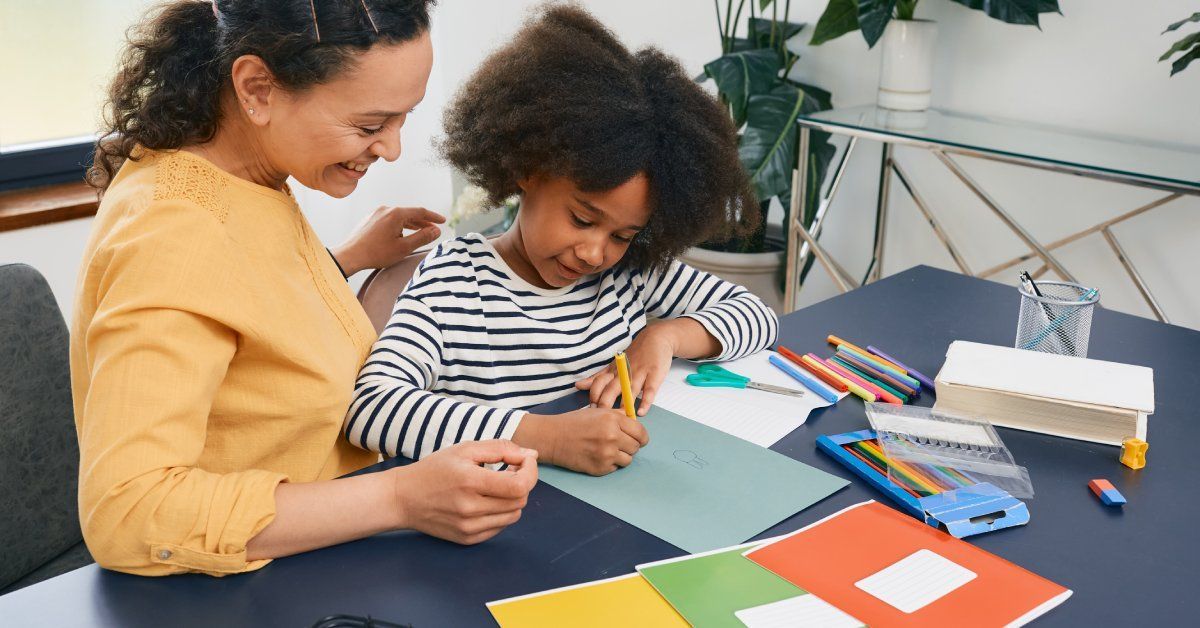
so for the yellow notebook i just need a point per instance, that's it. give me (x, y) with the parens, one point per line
(620, 601)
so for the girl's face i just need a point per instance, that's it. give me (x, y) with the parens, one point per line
(327, 136)
(565, 233)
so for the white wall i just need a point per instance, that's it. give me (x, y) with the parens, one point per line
(1093, 69)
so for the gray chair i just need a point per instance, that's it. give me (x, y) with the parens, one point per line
(39, 454)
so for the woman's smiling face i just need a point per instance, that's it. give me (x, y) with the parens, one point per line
(327, 136)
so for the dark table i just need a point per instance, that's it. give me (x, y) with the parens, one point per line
(1131, 566)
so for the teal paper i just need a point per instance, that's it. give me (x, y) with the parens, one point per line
(699, 488)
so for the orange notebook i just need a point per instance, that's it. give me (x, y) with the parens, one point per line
(888, 569)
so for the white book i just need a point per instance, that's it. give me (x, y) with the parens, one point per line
(1049, 375)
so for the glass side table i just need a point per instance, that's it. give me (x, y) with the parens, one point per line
(1174, 169)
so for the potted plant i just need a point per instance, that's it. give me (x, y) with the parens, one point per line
(906, 69)
(751, 77)
(1189, 46)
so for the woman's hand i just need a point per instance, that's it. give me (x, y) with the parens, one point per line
(448, 494)
(595, 441)
(380, 242)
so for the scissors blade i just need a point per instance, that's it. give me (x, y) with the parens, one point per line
(779, 390)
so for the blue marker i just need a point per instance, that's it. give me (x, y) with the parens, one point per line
(821, 389)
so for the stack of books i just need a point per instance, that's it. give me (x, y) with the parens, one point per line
(1091, 400)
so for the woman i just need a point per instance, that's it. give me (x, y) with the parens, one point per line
(215, 342)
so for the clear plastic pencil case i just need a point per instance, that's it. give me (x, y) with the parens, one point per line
(944, 452)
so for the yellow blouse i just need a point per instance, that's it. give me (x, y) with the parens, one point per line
(214, 349)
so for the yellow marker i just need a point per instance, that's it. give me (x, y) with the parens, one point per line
(854, 388)
(835, 341)
(626, 387)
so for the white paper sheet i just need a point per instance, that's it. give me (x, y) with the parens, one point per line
(916, 581)
(753, 415)
(802, 611)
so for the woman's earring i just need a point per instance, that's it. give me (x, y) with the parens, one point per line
(251, 111)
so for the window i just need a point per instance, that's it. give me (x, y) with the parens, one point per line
(56, 58)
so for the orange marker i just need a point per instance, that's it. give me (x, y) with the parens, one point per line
(835, 341)
(879, 392)
(824, 376)
(865, 394)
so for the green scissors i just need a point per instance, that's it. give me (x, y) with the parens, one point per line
(713, 376)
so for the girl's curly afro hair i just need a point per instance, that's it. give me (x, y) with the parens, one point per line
(566, 98)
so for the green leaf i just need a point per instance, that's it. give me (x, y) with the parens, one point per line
(740, 44)
(760, 30)
(839, 18)
(1182, 44)
(822, 99)
(1195, 17)
(873, 18)
(768, 146)
(740, 75)
(1010, 11)
(1048, 6)
(763, 4)
(1182, 62)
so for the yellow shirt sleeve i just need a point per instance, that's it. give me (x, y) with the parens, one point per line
(156, 351)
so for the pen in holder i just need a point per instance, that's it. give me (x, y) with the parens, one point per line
(1056, 317)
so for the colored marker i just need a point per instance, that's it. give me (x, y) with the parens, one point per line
(835, 341)
(824, 376)
(878, 384)
(878, 375)
(813, 364)
(877, 391)
(626, 387)
(928, 383)
(810, 383)
(878, 365)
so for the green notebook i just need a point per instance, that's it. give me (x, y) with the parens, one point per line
(707, 589)
(699, 488)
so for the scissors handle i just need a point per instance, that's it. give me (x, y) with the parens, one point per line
(712, 381)
(718, 372)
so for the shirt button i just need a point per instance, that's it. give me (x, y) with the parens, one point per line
(164, 554)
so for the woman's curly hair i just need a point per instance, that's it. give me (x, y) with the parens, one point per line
(566, 98)
(166, 91)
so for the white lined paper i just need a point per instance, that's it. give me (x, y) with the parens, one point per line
(756, 416)
(802, 611)
(916, 581)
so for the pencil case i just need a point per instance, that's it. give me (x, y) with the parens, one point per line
(975, 508)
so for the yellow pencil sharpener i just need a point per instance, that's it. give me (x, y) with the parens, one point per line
(1133, 453)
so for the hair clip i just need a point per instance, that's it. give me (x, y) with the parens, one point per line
(316, 28)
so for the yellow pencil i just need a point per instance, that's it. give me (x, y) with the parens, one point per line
(626, 387)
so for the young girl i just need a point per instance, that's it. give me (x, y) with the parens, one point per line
(621, 163)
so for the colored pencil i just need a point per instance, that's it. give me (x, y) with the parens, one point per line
(877, 391)
(903, 468)
(878, 375)
(895, 470)
(835, 341)
(882, 472)
(824, 376)
(878, 365)
(911, 372)
(626, 387)
(859, 372)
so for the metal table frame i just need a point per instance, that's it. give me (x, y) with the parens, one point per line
(804, 241)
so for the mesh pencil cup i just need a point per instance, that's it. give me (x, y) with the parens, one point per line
(1059, 321)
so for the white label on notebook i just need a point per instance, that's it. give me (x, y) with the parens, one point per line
(802, 611)
(916, 581)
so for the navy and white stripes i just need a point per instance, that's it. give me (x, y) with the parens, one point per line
(471, 345)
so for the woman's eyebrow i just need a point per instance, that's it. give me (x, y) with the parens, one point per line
(588, 206)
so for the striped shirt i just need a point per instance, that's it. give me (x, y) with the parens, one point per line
(471, 345)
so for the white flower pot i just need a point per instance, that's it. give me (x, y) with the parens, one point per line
(758, 272)
(906, 72)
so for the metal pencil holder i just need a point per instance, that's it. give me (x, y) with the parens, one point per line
(1059, 321)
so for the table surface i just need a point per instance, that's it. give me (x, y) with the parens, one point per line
(1173, 165)
(1127, 566)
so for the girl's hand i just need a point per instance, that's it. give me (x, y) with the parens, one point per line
(448, 494)
(380, 242)
(595, 441)
(649, 359)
